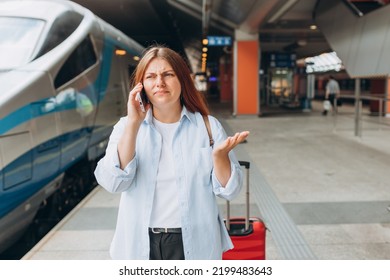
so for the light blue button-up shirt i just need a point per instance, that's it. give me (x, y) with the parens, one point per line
(204, 233)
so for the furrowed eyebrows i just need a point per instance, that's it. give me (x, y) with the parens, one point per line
(163, 72)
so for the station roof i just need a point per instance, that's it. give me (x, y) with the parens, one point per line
(286, 26)
(181, 24)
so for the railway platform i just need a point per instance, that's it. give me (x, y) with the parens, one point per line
(323, 192)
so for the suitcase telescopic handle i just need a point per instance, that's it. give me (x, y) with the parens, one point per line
(246, 164)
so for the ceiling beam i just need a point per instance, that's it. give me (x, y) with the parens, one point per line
(282, 10)
(207, 6)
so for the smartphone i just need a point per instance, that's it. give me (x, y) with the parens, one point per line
(144, 97)
(139, 99)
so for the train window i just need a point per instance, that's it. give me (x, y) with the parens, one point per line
(61, 29)
(80, 60)
(19, 36)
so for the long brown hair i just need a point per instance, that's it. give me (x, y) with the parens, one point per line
(190, 96)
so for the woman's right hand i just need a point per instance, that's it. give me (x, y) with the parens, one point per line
(134, 111)
(135, 115)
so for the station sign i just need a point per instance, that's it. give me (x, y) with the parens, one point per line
(282, 59)
(219, 40)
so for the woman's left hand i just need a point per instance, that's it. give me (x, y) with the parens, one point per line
(226, 146)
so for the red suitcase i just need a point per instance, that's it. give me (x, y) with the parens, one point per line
(247, 234)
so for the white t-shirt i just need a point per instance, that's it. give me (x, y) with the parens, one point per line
(333, 87)
(165, 210)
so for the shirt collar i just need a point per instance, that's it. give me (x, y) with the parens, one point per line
(184, 113)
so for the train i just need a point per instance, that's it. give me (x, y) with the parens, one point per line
(64, 82)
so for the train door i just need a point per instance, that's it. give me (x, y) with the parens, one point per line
(76, 96)
(117, 64)
(44, 130)
(120, 87)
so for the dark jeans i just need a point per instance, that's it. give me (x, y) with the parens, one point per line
(166, 246)
(332, 97)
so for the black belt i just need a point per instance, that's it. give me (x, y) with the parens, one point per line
(165, 230)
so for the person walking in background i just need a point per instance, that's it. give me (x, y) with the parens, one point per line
(332, 92)
(167, 169)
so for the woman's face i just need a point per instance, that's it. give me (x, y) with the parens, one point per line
(161, 84)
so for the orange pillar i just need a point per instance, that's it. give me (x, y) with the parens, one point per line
(246, 74)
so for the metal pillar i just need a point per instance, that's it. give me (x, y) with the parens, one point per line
(358, 107)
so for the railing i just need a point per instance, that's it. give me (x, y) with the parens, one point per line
(359, 108)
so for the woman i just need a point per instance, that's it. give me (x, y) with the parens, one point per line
(162, 162)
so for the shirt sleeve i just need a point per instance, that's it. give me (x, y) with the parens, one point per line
(108, 173)
(234, 185)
